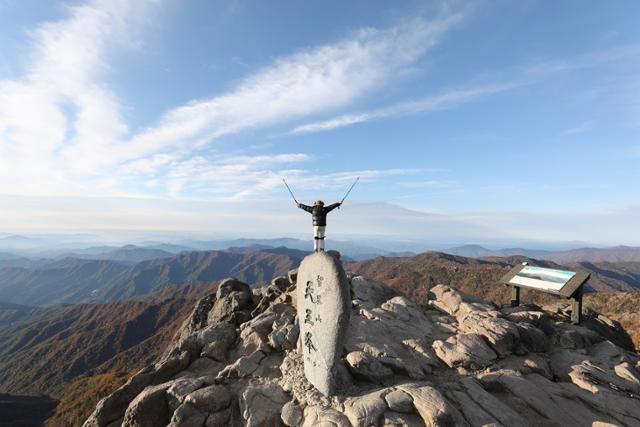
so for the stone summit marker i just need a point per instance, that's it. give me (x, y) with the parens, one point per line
(324, 305)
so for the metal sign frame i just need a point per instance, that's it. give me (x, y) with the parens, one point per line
(570, 290)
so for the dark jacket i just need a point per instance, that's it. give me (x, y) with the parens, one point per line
(319, 213)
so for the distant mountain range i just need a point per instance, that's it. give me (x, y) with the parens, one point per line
(54, 247)
(12, 313)
(414, 276)
(611, 254)
(67, 280)
(41, 352)
(258, 266)
(101, 274)
(73, 280)
(480, 276)
(42, 349)
(477, 251)
(129, 254)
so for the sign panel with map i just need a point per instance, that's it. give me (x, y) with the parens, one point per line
(546, 279)
(567, 284)
(559, 282)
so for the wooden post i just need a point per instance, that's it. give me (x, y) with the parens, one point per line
(576, 307)
(515, 296)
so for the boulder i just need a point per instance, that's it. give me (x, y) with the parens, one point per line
(113, 407)
(210, 399)
(574, 336)
(243, 367)
(628, 372)
(187, 415)
(215, 340)
(148, 409)
(364, 366)
(261, 404)
(555, 403)
(592, 378)
(530, 315)
(465, 350)
(315, 416)
(366, 410)
(609, 329)
(291, 414)
(396, 336)
(502, 335)
(371, 291)
(399, 401)
(532, 338)
(230, 286)
(219, 419)
(396, 419)
(432, 406)
(198, 318)
(281, 283)
(233, 303)
(454, 303)
(284, 334)
(445, 299)
(180, 388)
(496, 410)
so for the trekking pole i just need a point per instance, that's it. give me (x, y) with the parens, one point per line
(290, 192)
(350, 188)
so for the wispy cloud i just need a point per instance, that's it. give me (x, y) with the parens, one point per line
(530, 74)
(447, 100)
(228, 176)
(59, 121)
(311, 81)
(581, 128)
(82, 143)
(239, 178)
(587, 60)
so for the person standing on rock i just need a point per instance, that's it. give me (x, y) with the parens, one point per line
(319, 214)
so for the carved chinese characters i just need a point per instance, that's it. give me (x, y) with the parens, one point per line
(323, 313)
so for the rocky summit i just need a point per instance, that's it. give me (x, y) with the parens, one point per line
(458, 361)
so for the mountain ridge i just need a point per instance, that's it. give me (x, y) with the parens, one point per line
(620, 253)
(72, 280)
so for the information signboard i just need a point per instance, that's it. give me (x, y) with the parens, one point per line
(567, 284)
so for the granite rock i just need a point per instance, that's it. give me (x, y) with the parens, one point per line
(457, 361)
(324, 306)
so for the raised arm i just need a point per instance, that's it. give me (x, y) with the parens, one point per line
(329, 208)
(305, 207)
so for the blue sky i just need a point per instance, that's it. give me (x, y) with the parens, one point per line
(473, 121)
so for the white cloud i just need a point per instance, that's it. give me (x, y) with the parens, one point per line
(581, 128)
(312, 81)
(59, 121)
(228, 176)
(62, 130)
(588, 60)
(428, 104)
(531, 74)
(234, 178)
